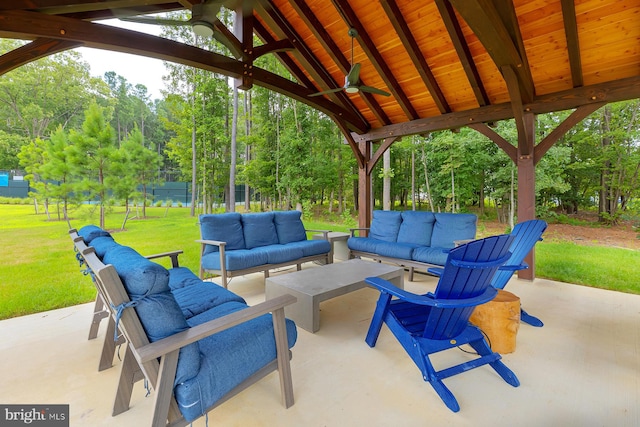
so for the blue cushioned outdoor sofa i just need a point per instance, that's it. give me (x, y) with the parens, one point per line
(235, 244)
(195, 342)
(414, 239)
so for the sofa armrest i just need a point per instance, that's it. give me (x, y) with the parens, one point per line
(175, 342)
(173, 255)
(353, 230)
(325, 233)
(212, 242)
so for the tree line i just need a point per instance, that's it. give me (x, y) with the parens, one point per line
(90, 135)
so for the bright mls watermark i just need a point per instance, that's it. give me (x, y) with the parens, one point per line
(34, 415)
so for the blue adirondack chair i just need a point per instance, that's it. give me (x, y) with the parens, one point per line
(427, 324)
(526, 234)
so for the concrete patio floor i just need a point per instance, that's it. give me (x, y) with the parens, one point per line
(581, 369)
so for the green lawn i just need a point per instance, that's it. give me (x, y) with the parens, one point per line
(39, 271)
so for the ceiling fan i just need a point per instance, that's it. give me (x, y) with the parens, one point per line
(353, 77)
(203, 21)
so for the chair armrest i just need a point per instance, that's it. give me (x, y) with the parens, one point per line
(353, 230)
(325, 233)
(522, 266)
(388, 287)
(436, 271)
(173, 255)
(175, 342)
(211, 242)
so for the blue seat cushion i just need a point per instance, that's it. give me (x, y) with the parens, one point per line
(180, 277)
(228, 358)
(437, 256)
(396, 250)
(277, 254)
(235, 260)
(364, 244)
(90, 232)
(202, 296)
(416, 227)
(139, 276)
(259, 230)
(385, 225)
(226, 227)
(312, 247)
(449, 227)
(289, 227)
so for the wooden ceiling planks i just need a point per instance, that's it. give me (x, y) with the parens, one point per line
(433, 61)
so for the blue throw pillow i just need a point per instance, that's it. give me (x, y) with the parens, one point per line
(385, 225)
(450, 227)
(259, 230)
(289, 227)
(226, 227)
(416, 228)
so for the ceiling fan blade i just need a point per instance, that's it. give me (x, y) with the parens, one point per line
(353, 76)
(374, 90)
(154, 21)
(324, 92)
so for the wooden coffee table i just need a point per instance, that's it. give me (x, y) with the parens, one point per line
(314, 285)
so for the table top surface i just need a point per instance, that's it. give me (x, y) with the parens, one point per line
(336, 275)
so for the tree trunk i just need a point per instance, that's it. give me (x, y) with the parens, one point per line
(247, 151)
(194, 159)
(386, 181)
(413, 178)
(234, 145)
(426, 180)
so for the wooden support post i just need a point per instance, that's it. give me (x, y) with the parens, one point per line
(527, 185)
(365, 193)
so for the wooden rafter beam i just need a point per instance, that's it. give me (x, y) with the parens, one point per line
(243, 31)
(487, 21)
(32, 25)
(502, 143)
(62, 7)
(386, 143)
(268, 40)
(462, 49)
(305, 56)
(35, 50)
(574, 118)
(402, 29)
(614, 91)
(334, 53)
(378, 62)
(573, 42)
(521, 117)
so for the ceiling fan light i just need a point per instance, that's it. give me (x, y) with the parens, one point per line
(351, 89)
(202, 28)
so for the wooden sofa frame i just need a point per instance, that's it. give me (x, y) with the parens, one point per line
(102, 310)
(225, 274)
(157, 362)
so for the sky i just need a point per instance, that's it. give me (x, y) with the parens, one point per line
(136, 69)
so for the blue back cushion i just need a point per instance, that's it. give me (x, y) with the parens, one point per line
(102, 244)
(450, 227)
(385, 225)
(289, 227)
(140, 276)
(259, 229)
(90, 232)
(147, 284)
(226, 227)
(416, 227)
